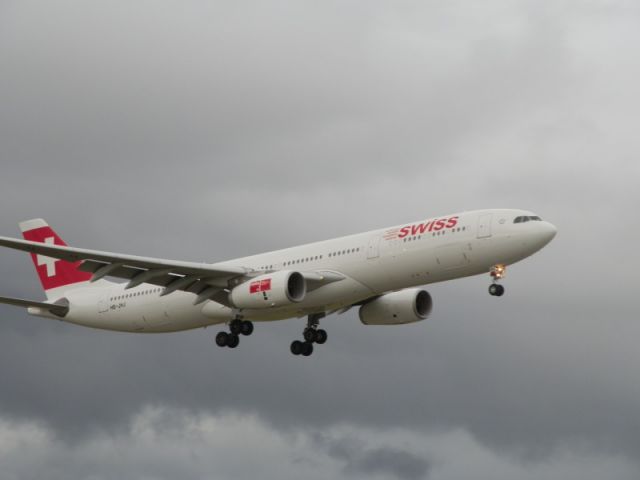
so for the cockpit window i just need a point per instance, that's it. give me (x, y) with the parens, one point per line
(523, 219)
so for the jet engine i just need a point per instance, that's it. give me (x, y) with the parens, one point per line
(406, 306)
(270, 290)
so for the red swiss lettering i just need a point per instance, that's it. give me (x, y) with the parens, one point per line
(418, 229)
(439, 225)
(404, 231)
(453, 221)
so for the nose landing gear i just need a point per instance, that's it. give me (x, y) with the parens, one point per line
(496, 290)
(231, 338)
(312, 334)
(497, 272)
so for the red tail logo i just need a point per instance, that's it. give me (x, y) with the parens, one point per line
(53, 272)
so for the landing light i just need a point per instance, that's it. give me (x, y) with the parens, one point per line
(498, 271)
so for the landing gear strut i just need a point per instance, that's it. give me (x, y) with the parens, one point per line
(231, 338)
(497, 272)
(312, 334)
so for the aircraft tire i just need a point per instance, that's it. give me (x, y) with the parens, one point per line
(233, 341)
(222, 339)
(496, 290)
(246, 328)
(307, 349)
(321, 336)
(235, 327)
(296, 347)
(310, 335)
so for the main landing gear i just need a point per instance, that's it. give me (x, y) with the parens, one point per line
(237, 327)
(497, 272)
(312, 334)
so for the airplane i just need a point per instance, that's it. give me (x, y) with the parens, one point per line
(382, 272)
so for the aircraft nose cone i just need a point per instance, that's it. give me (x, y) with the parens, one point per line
(547, 232)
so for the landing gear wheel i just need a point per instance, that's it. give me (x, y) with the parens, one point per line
(296, 347)
(236, 327)
(496, 290)
(307, 349)
(246, 328)
(222, 339)
(310, 335)
(321, 336)
(233, 340)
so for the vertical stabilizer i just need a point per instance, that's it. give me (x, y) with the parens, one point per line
(56, 275)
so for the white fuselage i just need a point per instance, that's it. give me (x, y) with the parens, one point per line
(371, 263)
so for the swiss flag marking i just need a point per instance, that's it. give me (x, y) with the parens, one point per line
(54, 272)
(48, 261)
(260, 286)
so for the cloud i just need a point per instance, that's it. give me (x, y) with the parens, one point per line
(164, 443)
(386, 460)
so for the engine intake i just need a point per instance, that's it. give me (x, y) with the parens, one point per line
(396, 308)
(270, 290)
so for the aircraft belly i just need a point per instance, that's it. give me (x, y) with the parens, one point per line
(403, 268)
(173, 313)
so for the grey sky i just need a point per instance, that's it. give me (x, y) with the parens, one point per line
(208, 130)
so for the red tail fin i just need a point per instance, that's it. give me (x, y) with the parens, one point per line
(53, 273)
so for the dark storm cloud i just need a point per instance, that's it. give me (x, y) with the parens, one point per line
(204, 132)
(358, 459)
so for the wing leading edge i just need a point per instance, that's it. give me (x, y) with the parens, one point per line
(205, 280)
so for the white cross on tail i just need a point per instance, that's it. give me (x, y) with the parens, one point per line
(48, 261)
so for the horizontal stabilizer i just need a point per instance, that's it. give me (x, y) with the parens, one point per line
(56, 309)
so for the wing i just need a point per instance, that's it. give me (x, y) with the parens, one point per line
(57, 309)
(205, 280)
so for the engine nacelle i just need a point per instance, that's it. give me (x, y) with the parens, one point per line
(406, 306)
(270, 290)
